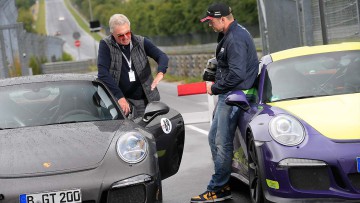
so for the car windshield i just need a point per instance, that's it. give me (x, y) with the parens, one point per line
(47, 103)
(317, 75)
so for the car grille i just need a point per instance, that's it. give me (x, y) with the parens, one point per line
(355, 180)
(309, 178)
(133, 194)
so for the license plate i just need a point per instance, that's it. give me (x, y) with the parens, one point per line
(65, 196)
(358, 164)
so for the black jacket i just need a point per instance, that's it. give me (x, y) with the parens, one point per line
(238, 64)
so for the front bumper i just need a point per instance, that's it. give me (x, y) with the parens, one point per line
(337, 180)
(112, 180)
(139, 188)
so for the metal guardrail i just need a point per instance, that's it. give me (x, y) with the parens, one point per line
(188, 61)
(200, 49)
(82, 66)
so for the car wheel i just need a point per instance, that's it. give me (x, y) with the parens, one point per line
(159, 195)
(256, 192)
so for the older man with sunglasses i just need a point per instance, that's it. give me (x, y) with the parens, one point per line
(124, 67)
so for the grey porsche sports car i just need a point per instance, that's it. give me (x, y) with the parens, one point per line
(63, 138)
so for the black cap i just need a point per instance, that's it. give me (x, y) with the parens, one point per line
(216, 10)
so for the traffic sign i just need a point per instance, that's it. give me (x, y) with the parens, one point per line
(77, 43)
(76, 35)
(95, 26)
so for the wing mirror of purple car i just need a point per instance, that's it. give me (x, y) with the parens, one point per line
(238, 98)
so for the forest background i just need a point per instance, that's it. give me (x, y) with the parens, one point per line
(155, 18)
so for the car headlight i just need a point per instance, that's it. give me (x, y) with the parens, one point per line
(132, 147)
(286, 130)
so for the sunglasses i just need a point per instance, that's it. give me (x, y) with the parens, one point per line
(122, 36)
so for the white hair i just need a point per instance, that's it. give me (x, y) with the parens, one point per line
(117, 19)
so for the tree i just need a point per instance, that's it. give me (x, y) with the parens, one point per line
(167, 17)
(25, 16)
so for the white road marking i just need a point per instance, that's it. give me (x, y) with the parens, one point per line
(196, 117)
(198, 129)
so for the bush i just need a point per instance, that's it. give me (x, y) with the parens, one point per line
(16, 69)
(35, 64)
(66, 57)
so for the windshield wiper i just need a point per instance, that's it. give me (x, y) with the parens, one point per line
(300, 97)
(82, 121)
(6, 128)
(66, 122)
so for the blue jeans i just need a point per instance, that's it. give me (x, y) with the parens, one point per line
(221, 138)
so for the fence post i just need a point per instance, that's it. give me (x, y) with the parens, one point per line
(3, 65)
(358, 14)
(323, 22)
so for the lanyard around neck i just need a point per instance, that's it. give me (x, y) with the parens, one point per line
(128, 60)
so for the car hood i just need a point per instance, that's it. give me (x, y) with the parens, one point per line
(45, 150)
(336, 117)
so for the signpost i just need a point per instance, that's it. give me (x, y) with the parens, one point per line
(76, 36)
(77, 43)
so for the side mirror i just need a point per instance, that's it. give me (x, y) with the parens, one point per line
(238, 98)
(154, 109)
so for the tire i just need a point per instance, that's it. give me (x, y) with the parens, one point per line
(255, 187)
(159, 195)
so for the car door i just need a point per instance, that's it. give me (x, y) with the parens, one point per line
(167, 126)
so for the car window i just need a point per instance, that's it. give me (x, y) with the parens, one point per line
(106, 103)
(314, 75)
(47, 103)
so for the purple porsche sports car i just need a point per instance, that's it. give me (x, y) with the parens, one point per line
(299, 135)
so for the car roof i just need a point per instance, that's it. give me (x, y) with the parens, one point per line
(46, 78)
(310, 50)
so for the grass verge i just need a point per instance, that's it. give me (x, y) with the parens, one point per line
(40, 22)
(181, 79)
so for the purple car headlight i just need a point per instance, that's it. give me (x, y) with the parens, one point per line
(286, 130)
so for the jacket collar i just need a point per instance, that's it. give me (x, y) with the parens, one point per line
(231, 27)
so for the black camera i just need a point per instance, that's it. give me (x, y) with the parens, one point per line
(210, 70)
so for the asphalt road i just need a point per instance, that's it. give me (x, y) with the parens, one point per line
(196, 166)
(59, 19)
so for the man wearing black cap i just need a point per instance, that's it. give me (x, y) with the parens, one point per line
(237, 69)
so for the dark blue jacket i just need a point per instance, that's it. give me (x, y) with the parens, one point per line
(124, 87)
(237, 59)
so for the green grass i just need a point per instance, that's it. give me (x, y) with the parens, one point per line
(40, 23)
(93, 68)
(182, 79)
(81, 23)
